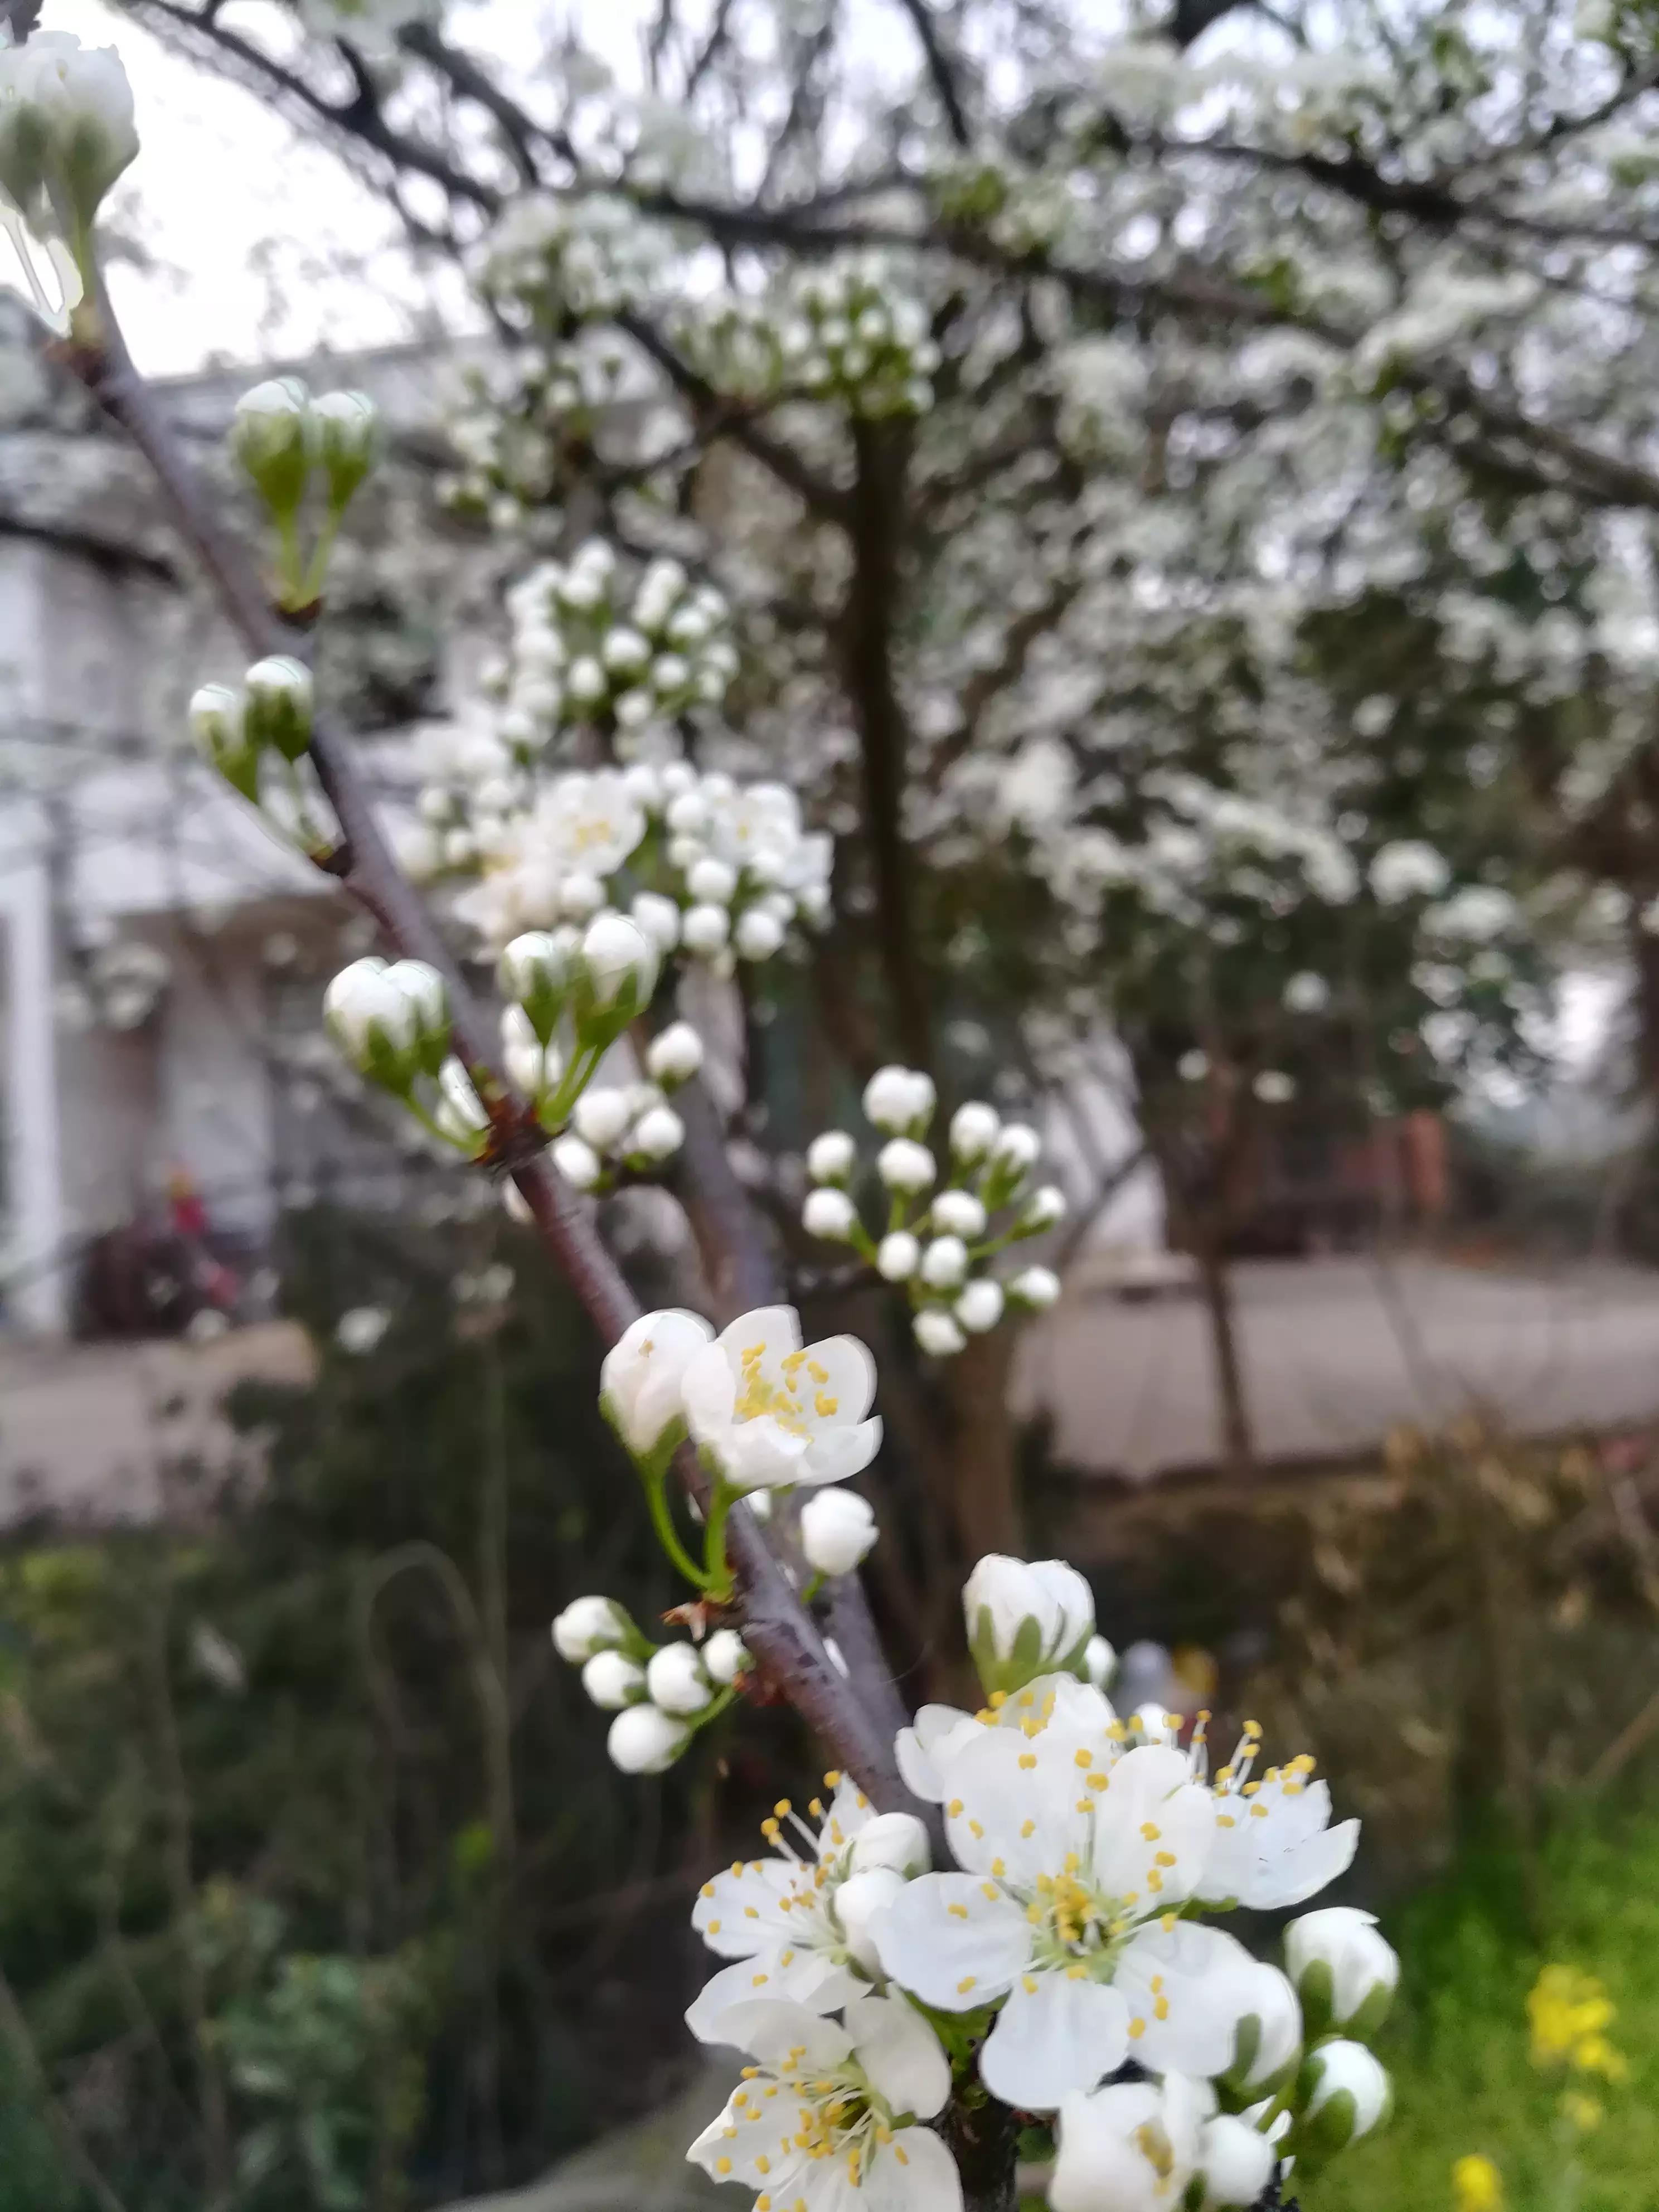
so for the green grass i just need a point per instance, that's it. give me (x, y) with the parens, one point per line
(1457, 2047)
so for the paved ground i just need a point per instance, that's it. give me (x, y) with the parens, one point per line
(1338, 1352)
(89, 1428)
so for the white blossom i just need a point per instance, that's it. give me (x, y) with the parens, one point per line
(1274, 1845)
(1025, 1618)
(578, 1162)
(774, 1412)
(657, 1135)
(958, 1212)
(1236, 2162)
(676, 1055)
(1035, 1288)
(856, 2098)
(66, 130)
(1348, 2096)
(1132, 2148)
(944, 1263)
(973, 1128)
(978, 1307)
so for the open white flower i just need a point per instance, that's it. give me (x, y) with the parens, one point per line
(641, 1381)
(830, 2118)
(1071, 1844)
(773, 1411)
(777, 1917)
(1274, 1843)
(1132, 2148)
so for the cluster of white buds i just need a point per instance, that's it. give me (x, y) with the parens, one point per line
(985, 1203)
(571, 992)
(853, 332)
(557, 262)
(66, 134)
(734, 343)
(612, 1126)
(718, 870)
(591, 649)
(661, 1694)
(235, 730)
(289, 443)
(390, 1020)
(509, 430)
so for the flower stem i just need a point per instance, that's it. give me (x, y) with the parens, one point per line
(718, 1577)
(652, 1473)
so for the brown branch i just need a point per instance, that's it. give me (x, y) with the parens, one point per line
(939, 68)
(779, 1632)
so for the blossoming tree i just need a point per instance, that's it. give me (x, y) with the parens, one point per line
(1023, 407)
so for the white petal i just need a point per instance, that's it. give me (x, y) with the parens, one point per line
(924, 2180)
(1303, 1870)
(1154, 1831)
(955, 1959)
(1055, 2039)
(1012, 1803)
(937, 1732)
(836, 1454)
(771, 2029)
(900, 2053)
(1189, 1963)
(811, 1978)
(737, 1914)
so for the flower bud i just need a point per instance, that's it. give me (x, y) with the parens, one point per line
(578, 1162)
(899, 1100)
(899, 1257)
(1343, 2093)
(980, 1307)
(832, 1157)
(588, 1625)
(645, 1740)
(349, 436)
(373, 1023)
(1266, 2026)
(1099, 1662)
(973, 1131)
(855, 1904)
(704, 930)
(830, 1214)
(537, 971)
(1042, 1210)
(1026, 1619)
(601, 1116)
(1236, 2163)
(758, 936)
(675, 1056)
(1344, 1972)
(906, 1166)
(279, 699)
(274, 435)
(945, 1263)
(66, 130)
(428, 1000)
(837, 1528)
(1014, 1153)
(656, 1136)
(898, 1841)
(641, 1379)
(711, 882)
(676, 1679)
(525, 1057)
(938, 1333)
(1034, 1288)
(216, 724)
(659, 918)
(613, 1682)
(616, 975)
(958, 1213)
(725, 1655)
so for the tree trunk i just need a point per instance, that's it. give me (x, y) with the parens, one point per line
(1236, 1448)
(984, 2139)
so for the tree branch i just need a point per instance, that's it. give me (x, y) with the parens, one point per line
(783, 1638)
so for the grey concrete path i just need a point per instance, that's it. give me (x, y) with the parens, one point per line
(1339, 1351)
